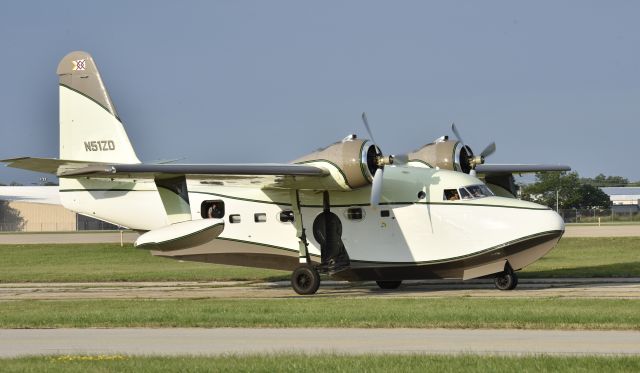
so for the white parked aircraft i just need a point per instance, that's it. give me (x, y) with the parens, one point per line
(346, 210)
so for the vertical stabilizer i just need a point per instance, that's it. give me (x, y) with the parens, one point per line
(90, 129)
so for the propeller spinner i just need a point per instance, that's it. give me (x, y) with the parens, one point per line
(469, 161)
(381, 161)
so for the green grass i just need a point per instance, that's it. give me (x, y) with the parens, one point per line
(589, 257)
(323, 363)
(110, 262)
(574, 257)
(462, 312)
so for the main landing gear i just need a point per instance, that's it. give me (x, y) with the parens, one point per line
(507, 280)
(388, 285)
(305, 280)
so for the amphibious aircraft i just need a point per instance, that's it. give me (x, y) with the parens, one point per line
(346, 210)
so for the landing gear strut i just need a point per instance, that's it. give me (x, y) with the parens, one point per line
(305, 280)
(507, 280)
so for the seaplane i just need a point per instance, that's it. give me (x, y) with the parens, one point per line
(348, 211)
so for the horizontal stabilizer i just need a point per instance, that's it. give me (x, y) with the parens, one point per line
(181, 235)
(46, 165)
(519, 168)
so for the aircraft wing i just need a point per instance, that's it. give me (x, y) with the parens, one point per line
(159, 170)
(518, 168)
(268, 175)
(265, 175)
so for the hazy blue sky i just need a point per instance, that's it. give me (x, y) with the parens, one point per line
(268, 81)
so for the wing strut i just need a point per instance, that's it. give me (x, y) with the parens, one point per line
(300, 231)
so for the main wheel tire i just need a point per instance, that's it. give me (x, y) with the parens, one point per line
(506, 281)
(388, 285)
(305, 280)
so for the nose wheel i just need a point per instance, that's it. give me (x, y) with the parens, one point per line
(507, 280)
(305, 280)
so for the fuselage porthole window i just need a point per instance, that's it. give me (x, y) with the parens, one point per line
(354, 213)
(260, 217)
(233, 219)
(212, 209)
(286, 216)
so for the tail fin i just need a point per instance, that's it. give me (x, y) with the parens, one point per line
(90, 129)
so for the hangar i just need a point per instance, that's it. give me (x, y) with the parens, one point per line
(38, 209)
(624, 200)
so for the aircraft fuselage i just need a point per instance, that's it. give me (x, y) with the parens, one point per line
(415, 233)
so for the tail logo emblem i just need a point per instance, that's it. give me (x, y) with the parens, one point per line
(79, 65)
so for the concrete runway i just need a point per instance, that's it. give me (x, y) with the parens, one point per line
(631, 230)
(66, 237)
(607, 288)
(198, 341)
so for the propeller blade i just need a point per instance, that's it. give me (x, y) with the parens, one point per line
(488, 150)
(400, 159)
(376, 187)
(366, 124)
(455, 132)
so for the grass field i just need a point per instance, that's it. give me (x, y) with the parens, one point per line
(590, 257)
(322, 363)
(110, 262)
(574, 257)
(459, 312)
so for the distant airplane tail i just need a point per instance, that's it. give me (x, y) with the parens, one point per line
(90, 129)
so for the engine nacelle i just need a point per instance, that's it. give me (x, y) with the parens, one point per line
(351, 162)
(443, 153)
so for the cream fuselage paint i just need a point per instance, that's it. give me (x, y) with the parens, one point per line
(417, 230)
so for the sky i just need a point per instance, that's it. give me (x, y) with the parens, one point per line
(269, 81)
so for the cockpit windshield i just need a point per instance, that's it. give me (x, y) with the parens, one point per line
(468, 192)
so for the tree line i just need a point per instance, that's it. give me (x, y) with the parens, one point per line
(569, 191)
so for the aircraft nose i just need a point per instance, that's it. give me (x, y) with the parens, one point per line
(555, 221)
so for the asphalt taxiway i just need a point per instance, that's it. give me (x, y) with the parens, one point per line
(608, 288)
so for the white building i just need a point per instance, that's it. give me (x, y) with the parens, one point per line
(624, 199)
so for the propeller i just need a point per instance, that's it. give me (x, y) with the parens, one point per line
(366, 125)
(381, 161)
(473, 161)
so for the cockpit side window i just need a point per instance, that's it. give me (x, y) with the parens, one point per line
(465, 194)
(451, 195)
(468, 192)
(479, 191)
